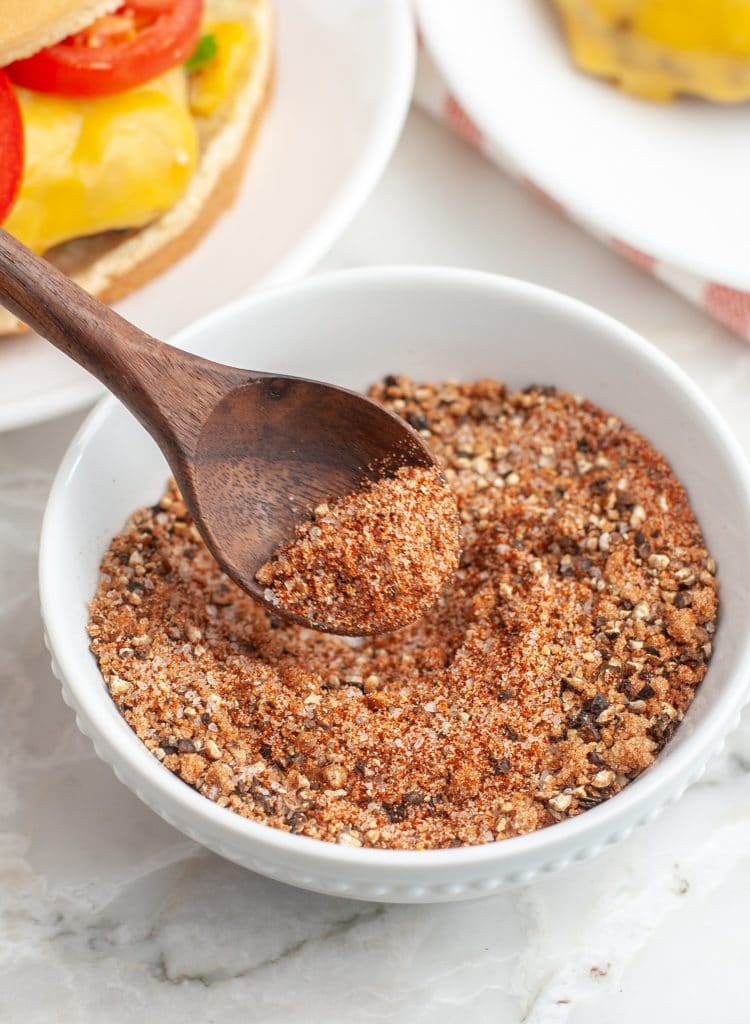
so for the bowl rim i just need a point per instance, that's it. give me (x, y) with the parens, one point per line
(606, 822)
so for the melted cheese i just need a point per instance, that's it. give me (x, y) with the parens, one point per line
(108, 162)
(658, 48)
(236, 46)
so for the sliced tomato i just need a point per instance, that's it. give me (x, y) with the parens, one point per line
(141, 40)
(11, 146)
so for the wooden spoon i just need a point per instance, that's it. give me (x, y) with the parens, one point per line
(252, 452)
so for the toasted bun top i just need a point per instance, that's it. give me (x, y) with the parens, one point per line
(27, 26)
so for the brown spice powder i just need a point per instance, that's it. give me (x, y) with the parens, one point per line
(555, 665)
(372, 561)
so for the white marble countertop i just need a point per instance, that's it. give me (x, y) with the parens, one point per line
(109, 915)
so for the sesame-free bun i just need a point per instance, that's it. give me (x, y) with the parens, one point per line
(27, 26)
(113, 263)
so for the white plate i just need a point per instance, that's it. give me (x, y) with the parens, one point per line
(669, 179)
(342, 88)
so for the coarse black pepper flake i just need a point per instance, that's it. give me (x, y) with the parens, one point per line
(596, 705)
(662, 728)
(295, 820)
(590, 800)
(586, 728)
(395, 813)
(417, 421)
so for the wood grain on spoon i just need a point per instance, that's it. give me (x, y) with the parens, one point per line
(252, 452)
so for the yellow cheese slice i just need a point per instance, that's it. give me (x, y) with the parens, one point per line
(659, 48)
(101, 163)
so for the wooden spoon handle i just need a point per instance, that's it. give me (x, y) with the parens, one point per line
(169, 391)
(59, 310)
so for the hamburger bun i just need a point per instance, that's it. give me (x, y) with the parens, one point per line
(112, 264)
(31, 25)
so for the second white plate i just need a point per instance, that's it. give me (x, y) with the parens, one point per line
(670, 180)
(342, 88)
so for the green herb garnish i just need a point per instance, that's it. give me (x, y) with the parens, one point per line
(204, 52)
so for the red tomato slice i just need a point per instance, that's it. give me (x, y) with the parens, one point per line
(141, 40)
(11, 146)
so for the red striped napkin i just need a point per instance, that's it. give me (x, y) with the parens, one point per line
(727, 305)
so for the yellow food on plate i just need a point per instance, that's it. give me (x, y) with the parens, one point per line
(658, 49)
(236, 47)
(85, 170)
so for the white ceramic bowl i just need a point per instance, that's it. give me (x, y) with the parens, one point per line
(351, 328)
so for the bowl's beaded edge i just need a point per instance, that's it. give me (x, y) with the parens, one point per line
(382, 892)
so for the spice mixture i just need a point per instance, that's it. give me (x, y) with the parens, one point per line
(557, 662)
(372, 561)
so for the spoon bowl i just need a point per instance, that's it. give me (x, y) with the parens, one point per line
(273, 449)
(252, 453)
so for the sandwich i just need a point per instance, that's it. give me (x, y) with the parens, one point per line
(124, 128)
(658, 49)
